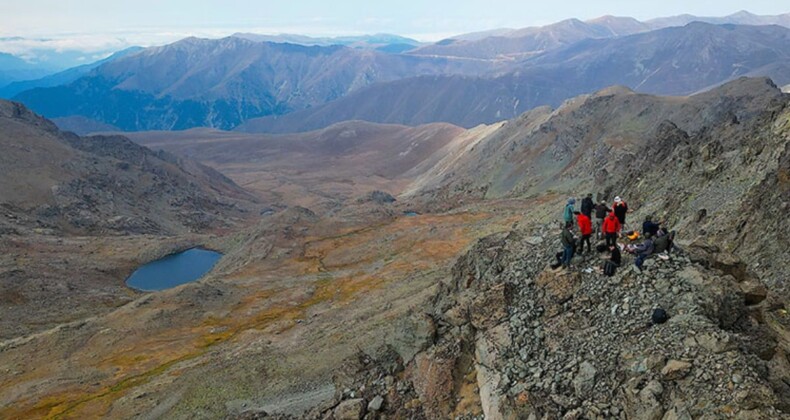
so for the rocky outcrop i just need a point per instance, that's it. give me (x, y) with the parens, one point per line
(577, 344)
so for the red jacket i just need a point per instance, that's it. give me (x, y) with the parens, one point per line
(585, 225)
(611, 224)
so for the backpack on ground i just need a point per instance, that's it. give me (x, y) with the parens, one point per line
(609, 268)
(659, 316)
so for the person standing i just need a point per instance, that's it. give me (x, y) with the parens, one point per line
(587, 206)
(611, 226)
(585, 228)
(568, 244)
(620, 209)
(601, 210)
(567, 215)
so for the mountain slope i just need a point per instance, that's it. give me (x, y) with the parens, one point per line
(674, 157)
(220, 83)
(59, 181)
(669, 61)
(321, 170)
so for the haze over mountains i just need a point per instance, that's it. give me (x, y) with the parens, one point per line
(481, 78)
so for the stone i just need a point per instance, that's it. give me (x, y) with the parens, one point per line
(716, 343)
(376, 403)
(677, 413)
(676, 369)
(534, 240)
(753, 292)
(584, 381)
(352, 409)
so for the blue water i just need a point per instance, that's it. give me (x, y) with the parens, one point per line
(173, 270)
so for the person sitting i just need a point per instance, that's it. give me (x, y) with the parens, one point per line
(649, 226)
(661, 243)
(611, 226)
(585, 227)
(642, 251)
(610, 266)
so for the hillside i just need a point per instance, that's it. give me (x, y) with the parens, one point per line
(220, 83)
(672, 61)
(728, 144)
(321, 170)
(103, 185)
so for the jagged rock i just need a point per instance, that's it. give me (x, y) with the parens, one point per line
(717, 343)
(376, 403)
(352, 409)
(677, 414)
(676, 369)
(753, 292)
(584, 381)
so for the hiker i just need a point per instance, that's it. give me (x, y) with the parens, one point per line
(585, 228)
(663, 241)
(568, 244)
(587, 206)
(643, 250)
(567, 216)
(601, 210)
(615, 259)
(611, 225)
(620, 209)
(649, 226)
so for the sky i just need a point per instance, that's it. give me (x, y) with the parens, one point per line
(98, 26)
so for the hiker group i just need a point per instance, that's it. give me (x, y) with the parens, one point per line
(609, 227)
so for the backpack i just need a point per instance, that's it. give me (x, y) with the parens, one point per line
(659, 316)
(609, 268)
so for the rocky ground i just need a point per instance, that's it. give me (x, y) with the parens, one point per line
(532, 342)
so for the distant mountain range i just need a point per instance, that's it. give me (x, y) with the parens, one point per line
(13, 68)
(380, 42)
(247, 81)
(675, 61)
(60, 78)
(221, 83)
(526, 42)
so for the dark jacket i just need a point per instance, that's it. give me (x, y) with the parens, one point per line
(587, 206)
(645, 248)
(601, 211)
(620, 210)
(650, 227)
(661, 243)
(616, 257)
(566, 237)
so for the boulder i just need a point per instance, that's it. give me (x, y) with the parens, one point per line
(350, 409)
(676, 369)
(376, 403)
(753, 292)
(584, 381)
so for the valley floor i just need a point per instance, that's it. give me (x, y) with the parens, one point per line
(291, 299)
